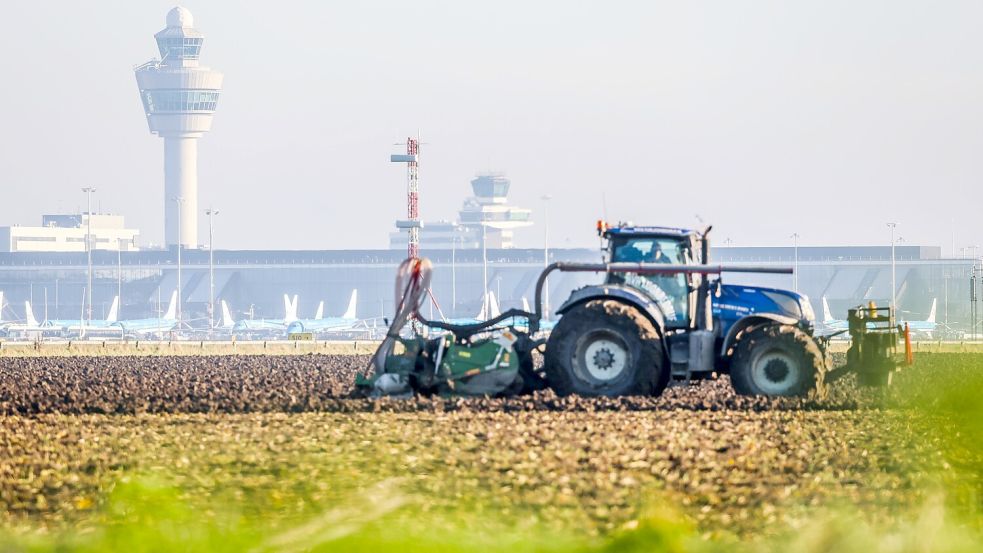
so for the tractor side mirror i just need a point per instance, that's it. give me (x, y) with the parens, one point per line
(717, 288)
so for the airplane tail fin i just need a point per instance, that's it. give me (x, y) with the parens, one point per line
(350, 312)
(113, 311)
(290, 308)
(484, 305)
(227, 321)
(493, 308)
(320, 311)
(827, 315)
(171, 308)
(29, 315)
(931, 314)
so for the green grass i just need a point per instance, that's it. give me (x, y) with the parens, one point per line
(147, 517)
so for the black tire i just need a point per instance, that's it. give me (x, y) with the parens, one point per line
(777, 360)
(619, 340)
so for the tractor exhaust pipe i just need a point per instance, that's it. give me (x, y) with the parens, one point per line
(704, 310)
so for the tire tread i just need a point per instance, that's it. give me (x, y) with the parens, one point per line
(790, 336)
(617, 315)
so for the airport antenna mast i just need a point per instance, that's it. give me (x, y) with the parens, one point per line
(412, 223)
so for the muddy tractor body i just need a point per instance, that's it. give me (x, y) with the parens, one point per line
(661, 313)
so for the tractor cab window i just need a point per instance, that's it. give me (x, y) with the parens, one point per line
(670, 292)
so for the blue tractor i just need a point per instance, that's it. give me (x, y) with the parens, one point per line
(660, 314)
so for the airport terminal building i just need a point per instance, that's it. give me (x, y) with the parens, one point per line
(253, 282)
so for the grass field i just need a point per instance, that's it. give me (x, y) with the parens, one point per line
(695, 472)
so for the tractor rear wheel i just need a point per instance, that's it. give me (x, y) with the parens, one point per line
(605, 348)
(776, 360)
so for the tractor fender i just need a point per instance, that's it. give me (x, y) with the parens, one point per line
(751, 320)
(624, 294)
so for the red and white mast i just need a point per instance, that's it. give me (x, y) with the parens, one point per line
(412, 223)
(413, 196)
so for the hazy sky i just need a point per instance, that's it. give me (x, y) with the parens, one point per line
(825, 118)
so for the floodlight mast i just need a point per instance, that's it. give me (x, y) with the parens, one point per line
(211, 212)
(894, 287)
(119, 275)
(795, 269)
(88, 248)
(546, 250)
(180, 207)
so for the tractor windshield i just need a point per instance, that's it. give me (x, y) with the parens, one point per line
(670, 292)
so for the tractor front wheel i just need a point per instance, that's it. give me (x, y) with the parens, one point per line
(776, 360)
(605, 348)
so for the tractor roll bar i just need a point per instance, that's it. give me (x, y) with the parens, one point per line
(642, 269)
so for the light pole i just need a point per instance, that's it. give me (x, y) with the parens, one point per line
(88, 248)
(498, 289)
(894, 287)
(119, 275)
(795, 270)
(945, 283)
(180, 246)
(211, 271)
(454, 272)
(484, 265)
(546, 251)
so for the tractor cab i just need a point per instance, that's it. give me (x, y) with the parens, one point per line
(675, 294)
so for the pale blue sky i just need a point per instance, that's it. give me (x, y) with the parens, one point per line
(766, 118)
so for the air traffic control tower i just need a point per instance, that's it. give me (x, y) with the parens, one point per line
(179, 98)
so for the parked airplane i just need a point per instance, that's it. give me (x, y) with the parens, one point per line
(248, 326)
(152, 325)
(831, 324)
(77, 326)
(31, 324)
(926, 327)
(545, 324)
(321, 324)
(3, 325)
(522, 323)
(227, 322)
(489, 309)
